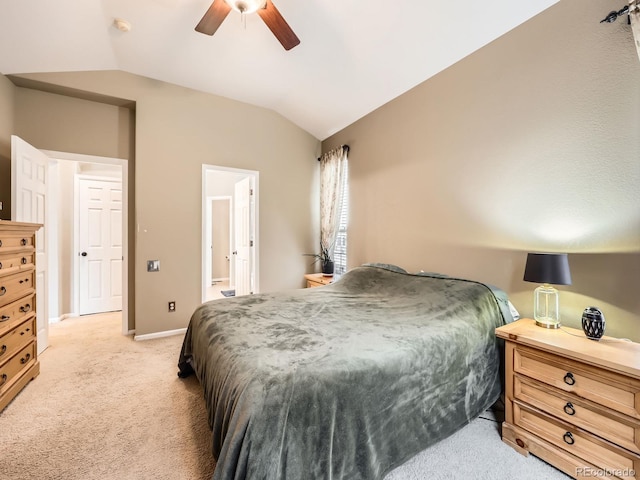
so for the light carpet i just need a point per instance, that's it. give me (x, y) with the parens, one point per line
(106, 407)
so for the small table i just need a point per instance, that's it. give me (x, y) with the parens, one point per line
(317, 280)
(572, 401)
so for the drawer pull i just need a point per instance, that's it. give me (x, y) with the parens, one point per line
(25, 359)
(24, 260)
(26, 280)
(568, 379)
(4, 318)
(23, 242)
(25, 308)
(0, 243)
(3, 349)
(4, 377)
(569, 410)
(568, 438)
(3, 290)
(0, 265)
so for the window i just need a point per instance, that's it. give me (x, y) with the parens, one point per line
(340, 248)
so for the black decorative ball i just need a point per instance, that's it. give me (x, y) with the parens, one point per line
(593, 323)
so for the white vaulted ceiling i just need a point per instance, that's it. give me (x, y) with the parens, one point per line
(354, 55)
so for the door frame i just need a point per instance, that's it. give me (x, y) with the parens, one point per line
(256, 251)
(77, 178)
(124, 164)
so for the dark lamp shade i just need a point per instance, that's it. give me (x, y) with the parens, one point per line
(552, 268)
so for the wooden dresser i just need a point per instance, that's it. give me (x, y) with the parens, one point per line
(317, 280)
(18, 350)
(572, 401)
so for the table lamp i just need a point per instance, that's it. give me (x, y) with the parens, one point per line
(548, 269)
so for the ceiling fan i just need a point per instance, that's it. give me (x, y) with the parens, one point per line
(267, 11)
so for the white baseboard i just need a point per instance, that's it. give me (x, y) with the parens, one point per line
(167, 333)
(62, 317)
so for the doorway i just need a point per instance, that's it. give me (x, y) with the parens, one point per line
(67, 170)
(229, 232)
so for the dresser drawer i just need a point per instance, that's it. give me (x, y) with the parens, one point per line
(16, 339)
(577, 442)
(15, 286)
(14, 241)
(15, 312)
(13, 262)
(617, 428)
(12, 369)
(612, 390)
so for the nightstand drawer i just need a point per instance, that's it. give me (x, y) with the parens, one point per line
(606, 388)
(577, 442)
(605, 423)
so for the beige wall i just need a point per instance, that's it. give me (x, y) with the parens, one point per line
(530, 144)
(176, 131)
(7, 101)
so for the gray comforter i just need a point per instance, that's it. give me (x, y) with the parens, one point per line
(345, 381)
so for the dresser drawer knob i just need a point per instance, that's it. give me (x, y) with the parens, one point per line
(3, 378)
(568, 438)
(569, 410)
(0, 243)
(4, 318)
(568, 379)
(23, 242)
(0, 265)
(3, 290)
(24, 260)
(3, 349)
(25, 359)
(25, 308)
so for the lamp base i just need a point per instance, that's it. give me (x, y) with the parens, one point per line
(547, 323)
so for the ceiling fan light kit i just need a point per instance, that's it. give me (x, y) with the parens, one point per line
(265, 9)
(246, 6)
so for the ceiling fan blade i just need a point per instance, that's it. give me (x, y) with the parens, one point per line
(278, 25)
(217, 12)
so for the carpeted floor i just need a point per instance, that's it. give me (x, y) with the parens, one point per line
(105, 407)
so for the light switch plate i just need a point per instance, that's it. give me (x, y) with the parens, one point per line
(153, 265)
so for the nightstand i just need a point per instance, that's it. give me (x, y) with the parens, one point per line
(571, 401)
(317, 280)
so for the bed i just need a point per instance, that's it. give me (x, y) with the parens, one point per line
(345, 381)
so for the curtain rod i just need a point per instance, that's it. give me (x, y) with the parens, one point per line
(344, 147)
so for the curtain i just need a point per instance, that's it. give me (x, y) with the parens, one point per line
(634, 15)
(332, 179)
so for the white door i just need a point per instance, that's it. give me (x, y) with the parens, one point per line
(29, 175)
(243, 237)
(100, 242)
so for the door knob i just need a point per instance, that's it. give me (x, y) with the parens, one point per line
(84, 254)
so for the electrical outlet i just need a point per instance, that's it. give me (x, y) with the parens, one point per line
(172, 306)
